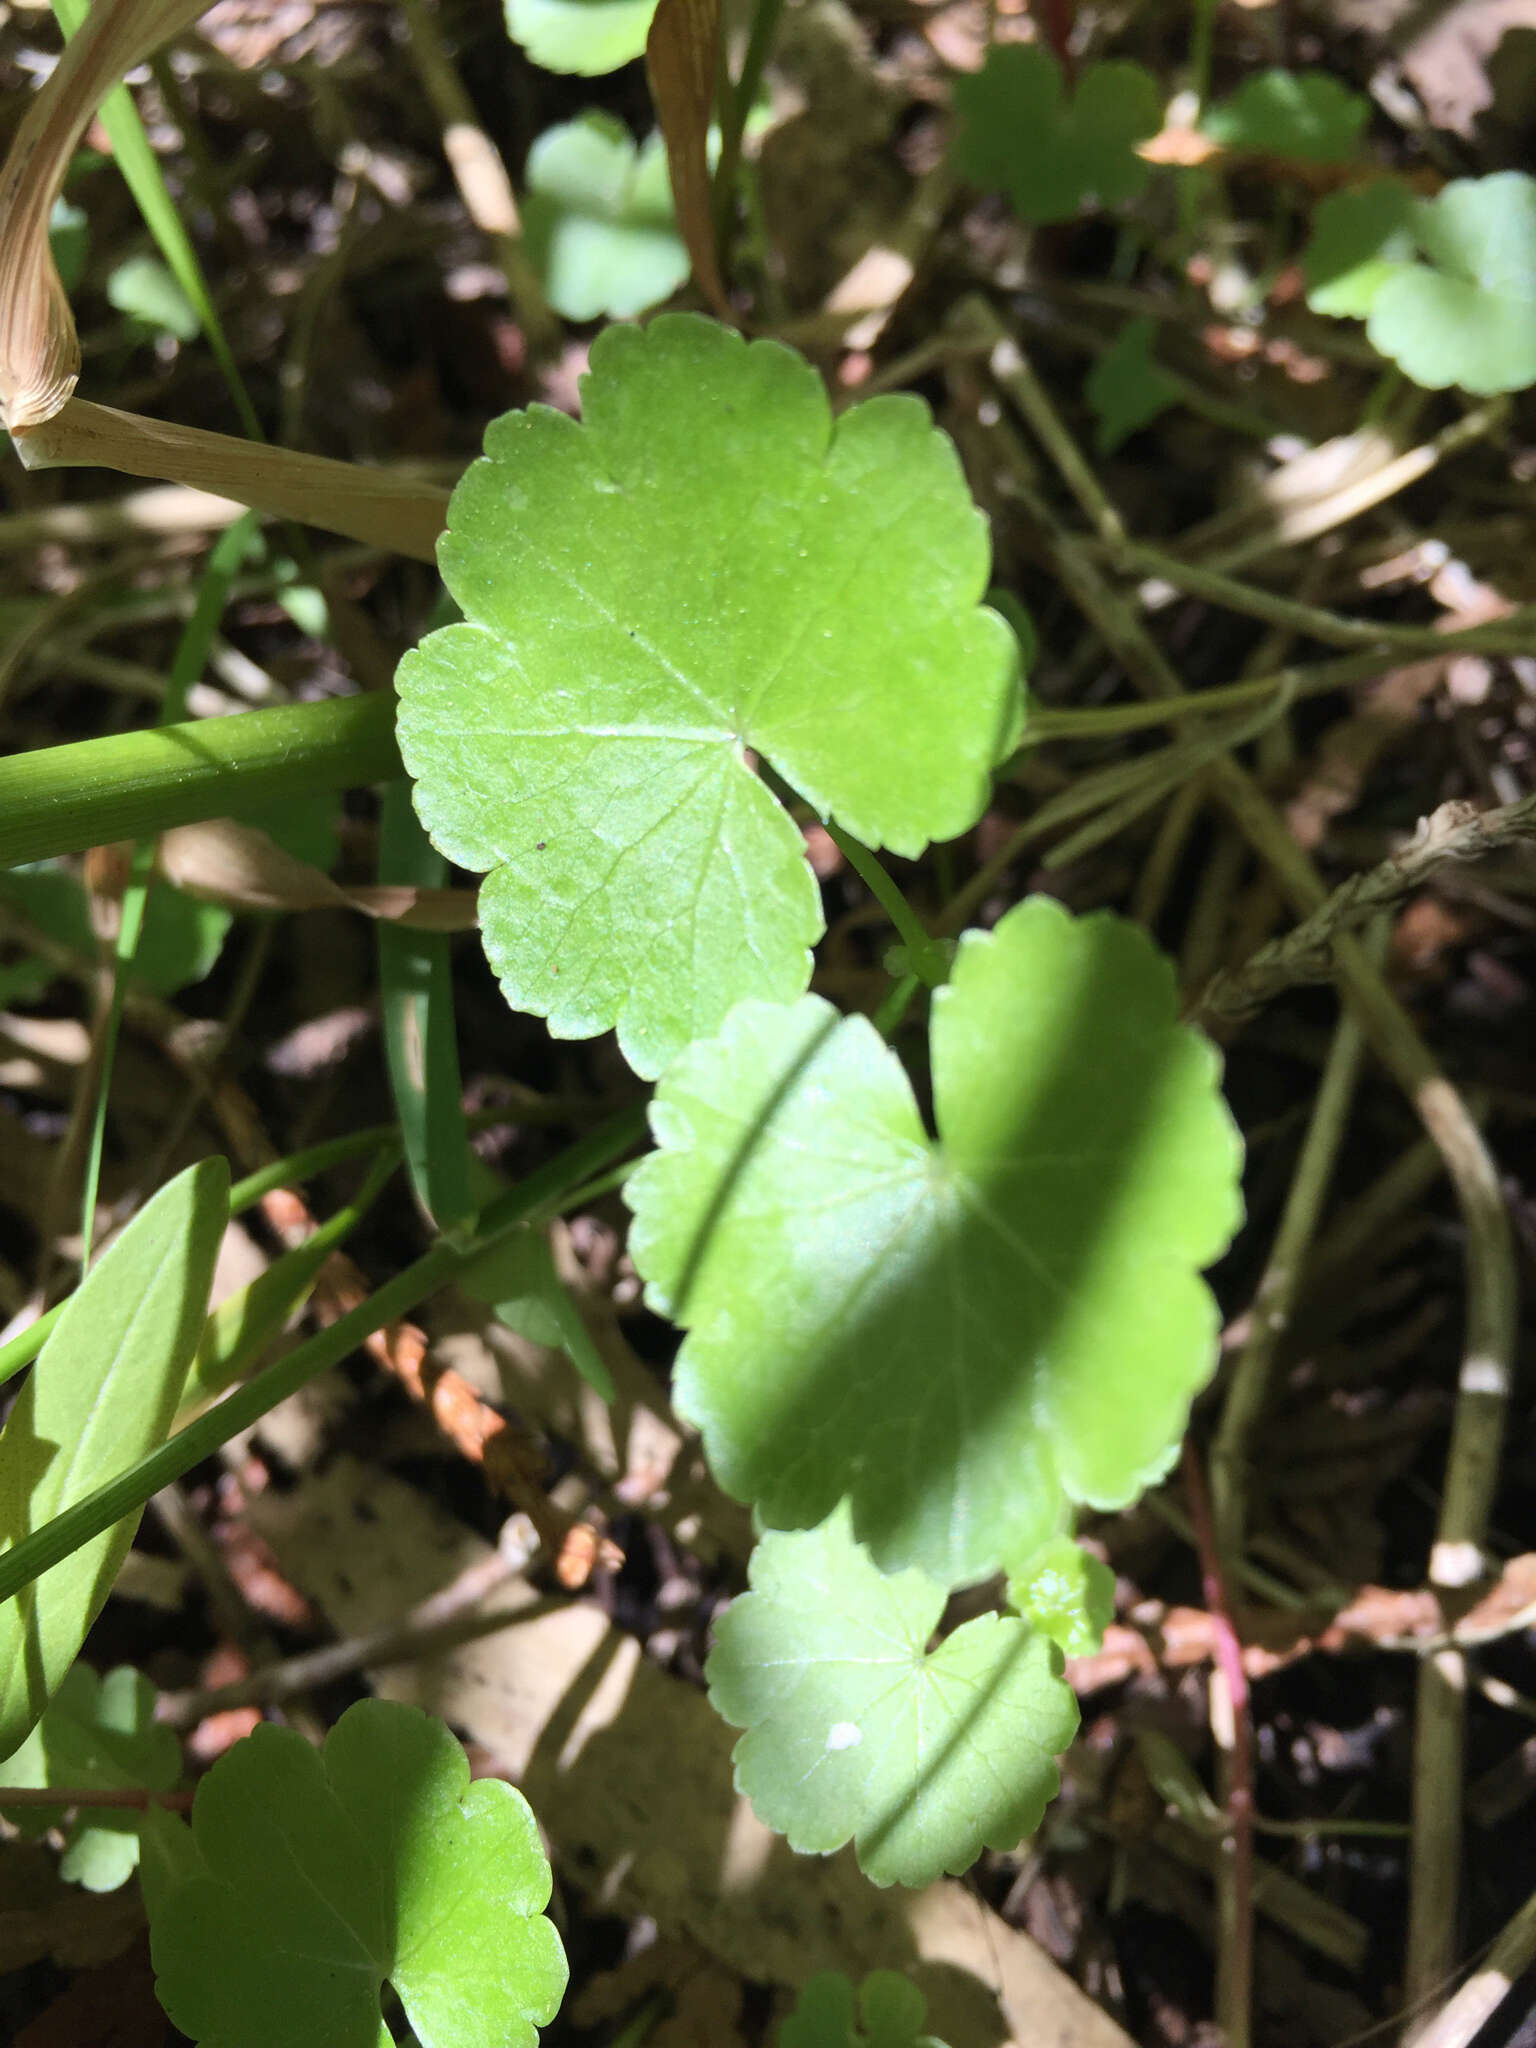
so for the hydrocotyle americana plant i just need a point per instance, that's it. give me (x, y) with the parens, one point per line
(695, 621)
(913, 1353)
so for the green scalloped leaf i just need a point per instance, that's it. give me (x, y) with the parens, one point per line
(99, 1734)
(963, 1335)
(856, 1730)
(588, 37)
(887, 2011)
(1467, 314)
(599, 220)
(324, 1873)
(706, 569)
(1126, 388)
(1360, 238)
(1019, 133)
(1309, 115)
(1068, 1593)
(1447, 286)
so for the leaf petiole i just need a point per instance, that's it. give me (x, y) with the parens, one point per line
(928, 958)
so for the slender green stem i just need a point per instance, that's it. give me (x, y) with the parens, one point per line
(737, 105)
(1308, 680)
(1201, 42)
(124, 1495)
(313, 1161)
(926, 956)
(600, 1184)
(45, 1547)
(1274, 1299)
(241, 1331)
(382, 1139)
(128, 785)
(26, 1344)
(1515, 634)
(887, 1019)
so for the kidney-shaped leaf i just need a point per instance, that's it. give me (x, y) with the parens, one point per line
(1466, 313)
(99, 1734)
(856, 1730)
(964, 1335)
(1310, 115)
(1360, 238)
(599, 220)
(705, 569)
(102, 1394)
(326, 1872)
(887, 2011)
(1126, 388)
(588, 37)
(1020, 134)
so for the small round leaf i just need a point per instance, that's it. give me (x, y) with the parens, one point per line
(855, 1730)
(888, 2012)
(1126, 388)
(326, 1872)
(1360, 238)
(101, 1734)
(1066, 1591)
(1020, 134)
(588, 37)
(1467, 315)
(1447, 285)
(1308, 115)
(599, 221)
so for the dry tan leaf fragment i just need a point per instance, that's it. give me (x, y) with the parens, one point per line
(222, 861)
(39, 349)
(681, 60)
(1186, 147)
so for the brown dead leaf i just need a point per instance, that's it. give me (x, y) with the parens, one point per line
(1186, 147)
(703, 1997)
(681, 59)
(220, 861)
(39, 349)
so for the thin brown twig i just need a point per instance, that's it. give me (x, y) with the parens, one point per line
(14, 1797)
(449, 1617)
